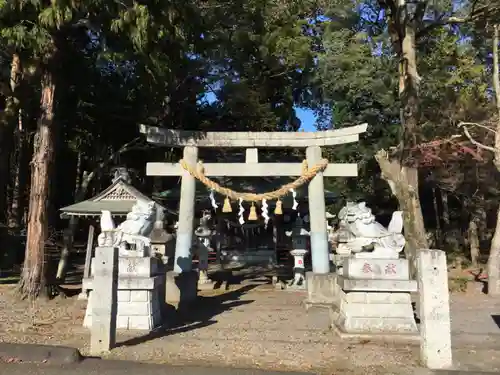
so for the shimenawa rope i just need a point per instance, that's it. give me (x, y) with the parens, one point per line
(307, 175)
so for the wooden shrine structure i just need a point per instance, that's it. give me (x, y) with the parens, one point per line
(252, 141)
(118, 198)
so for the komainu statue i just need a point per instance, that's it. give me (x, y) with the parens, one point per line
(361, 235)
(131, 236)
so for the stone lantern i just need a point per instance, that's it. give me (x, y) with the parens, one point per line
(299, 243)
(203, 233)
(160, 237)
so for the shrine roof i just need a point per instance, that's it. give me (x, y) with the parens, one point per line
(118, 198)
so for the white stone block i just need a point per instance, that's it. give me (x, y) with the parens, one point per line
(137, 267)
(435, 327)
(356, 297)
(138, 303)
(122, 322)
(130, 283)
(374, 313)
(133, 266)
(141, 322)
(140, 295)
(401, 298)
(378, 325)
(133, 308)
(124, 296)
(373, 310)
(383, 297)
(386, 269)
(377, 285)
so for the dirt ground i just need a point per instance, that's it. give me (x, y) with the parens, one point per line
(253, 325)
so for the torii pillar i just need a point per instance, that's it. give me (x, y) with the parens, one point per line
(317, 214)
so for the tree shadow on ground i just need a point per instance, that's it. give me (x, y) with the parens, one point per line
(8, 277)
(496, 319)
(479, 279)
(232, 277)
(190, 316)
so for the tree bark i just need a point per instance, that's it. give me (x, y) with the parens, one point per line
(403, 182)
(69, 232)
(33, 277)
(402, 178)
(20, 176)
(494, 261)
(7, 126)
(446, 211)
(473, 238)
(494, 258)
(439, 232)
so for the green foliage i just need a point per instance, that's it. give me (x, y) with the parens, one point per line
(358, 75)
(118, 64)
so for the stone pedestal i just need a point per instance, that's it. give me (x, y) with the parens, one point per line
(181, 287)
(374, 300)
(204, 281)
(322, 289)
(139, 298)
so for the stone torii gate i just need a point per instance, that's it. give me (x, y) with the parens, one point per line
(311, 141)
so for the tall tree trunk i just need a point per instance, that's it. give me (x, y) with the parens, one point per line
(20, 170)
(73, 223)
(402, 178)
(33, 277)
(473, 237)
(446, 211)
(404, 185)
(494, 258)
(439, 233)
(7, 126)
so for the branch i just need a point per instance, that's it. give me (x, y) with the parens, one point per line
(471, 139)
(478, 125)
(474, 15)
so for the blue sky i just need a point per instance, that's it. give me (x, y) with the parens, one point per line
(307, 118)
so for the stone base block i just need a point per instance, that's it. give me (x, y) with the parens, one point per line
(374, 313)
(181, 287)
(349, 285)
(322, 289)
(133, 266)
(137, 310)
(394, 338)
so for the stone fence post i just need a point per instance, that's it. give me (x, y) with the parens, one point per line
(434, 303)
(105, 300)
